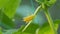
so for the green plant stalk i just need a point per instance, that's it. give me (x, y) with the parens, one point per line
(50, 21)
(0, 30)
(26, 26)
(36, 11)
(37, 30)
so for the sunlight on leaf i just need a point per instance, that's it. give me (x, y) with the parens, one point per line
(9, 7)
(45, 29)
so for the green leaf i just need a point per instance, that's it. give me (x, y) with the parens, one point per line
(7, 11)
(21, 33)
(10, 31)
(30, 30)
(2, 3)
(8, 22)
(45, 29)
(57, 21)
(9, 7)
(5, 21)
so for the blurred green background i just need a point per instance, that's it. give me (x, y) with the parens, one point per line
(25, 8)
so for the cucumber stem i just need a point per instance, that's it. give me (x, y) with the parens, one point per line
(50, 21)
(36, 11)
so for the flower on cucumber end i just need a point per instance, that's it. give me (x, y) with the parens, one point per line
(28, 18)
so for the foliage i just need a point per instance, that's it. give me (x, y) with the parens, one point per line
(8, 11)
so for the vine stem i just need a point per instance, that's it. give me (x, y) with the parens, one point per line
(0, 30)
(50, 21)
(37, 30)
(26, 26)
(36, 11)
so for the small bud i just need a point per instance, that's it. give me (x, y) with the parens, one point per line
(28, 18)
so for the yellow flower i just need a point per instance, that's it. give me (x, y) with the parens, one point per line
(28, 18)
